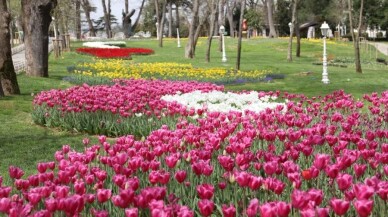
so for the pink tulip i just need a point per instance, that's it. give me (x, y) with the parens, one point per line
(344, 181)
(253, 207)
(321, 161)
(205, 191)
(15, 172)
(340, 207)
(363, 192)
(132, 212)
(206, 207)
(228, 211)
(180, 176)
(267, 210)
(184, 211)
(5, 205)
(299, 199)
(363, 207)
(359, 169)
(103, 195)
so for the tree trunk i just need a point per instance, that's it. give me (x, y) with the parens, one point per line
(205, 16)
(177, 18)
(87, 9)
(107, 18)
(133, 28)
(214, 8)
(127, 28)
(36, 21)
(356, 37)
(126, 7)
(189, 50)
(221, 21)
(240, 35)
(272, 30)
(293, 21)
(78, 19)
(170, 19)
(160, 16)
(298, 38)
(8, 80)
(229, 13)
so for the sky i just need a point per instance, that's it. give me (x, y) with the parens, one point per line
(117, 7)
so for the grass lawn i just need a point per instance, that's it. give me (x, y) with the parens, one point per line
(22, 143)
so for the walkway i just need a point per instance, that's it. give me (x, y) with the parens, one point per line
(19, 57)
(382, 47)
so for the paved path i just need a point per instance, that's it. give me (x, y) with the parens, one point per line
(382, 47)
(19, 57)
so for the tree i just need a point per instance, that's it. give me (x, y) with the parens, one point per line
(293, 22)
(221, 20)
(78, 18)
(160, 17)
(272, 30)
(8, 81)
(213, 8)
(128, 28)
(356, 36)
(36, 21)
(87, 8)
(189, 50)
(107, 16)
(240, 34)
(230, 7)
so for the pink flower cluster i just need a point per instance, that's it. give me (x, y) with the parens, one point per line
(126, 97)
(321, 156)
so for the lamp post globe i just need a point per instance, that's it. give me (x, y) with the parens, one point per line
(325, 76)
(290, 25)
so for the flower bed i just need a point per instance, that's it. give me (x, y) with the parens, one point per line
(127, 107)
(119, 53)
(105, 44)
(318, 157)
(116, 69)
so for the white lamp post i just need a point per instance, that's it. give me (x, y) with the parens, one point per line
(325, 77)
(55, 28)
(290, 25)
(222, 31)
(157, 30)
(179, 40)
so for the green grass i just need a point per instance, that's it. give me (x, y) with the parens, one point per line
(22, 143)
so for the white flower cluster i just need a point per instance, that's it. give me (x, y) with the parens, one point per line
(104, 44)
(224, 102)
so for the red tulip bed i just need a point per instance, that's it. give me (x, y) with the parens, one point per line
(315, 156)
(118, 53)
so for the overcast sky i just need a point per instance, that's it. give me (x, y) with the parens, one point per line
(117, 7)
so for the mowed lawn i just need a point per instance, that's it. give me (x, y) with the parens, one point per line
(22, 143)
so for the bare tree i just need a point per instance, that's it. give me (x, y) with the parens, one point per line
(356, 36)
(87, 8)
(170, 19)
(160, 17)
(293, 22)
(78, 18)
(272, 30)
(107, 17)
(8, 80)
(36, 21)
(126, 7)
(189, 50)
(242, 2)
(230, 6)
(213, 16)
(221, 20)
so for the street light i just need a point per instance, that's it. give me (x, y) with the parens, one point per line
(157, 30)
(179, 40)
(290, 25)
(325, 29)
(222, 32)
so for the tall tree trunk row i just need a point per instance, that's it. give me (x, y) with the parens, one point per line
(240, 35)
(189, 50)
(8, 80)
(36, 21)
(213, 17)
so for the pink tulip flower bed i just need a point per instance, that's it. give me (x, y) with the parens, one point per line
(322, 156)
(128, 107)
